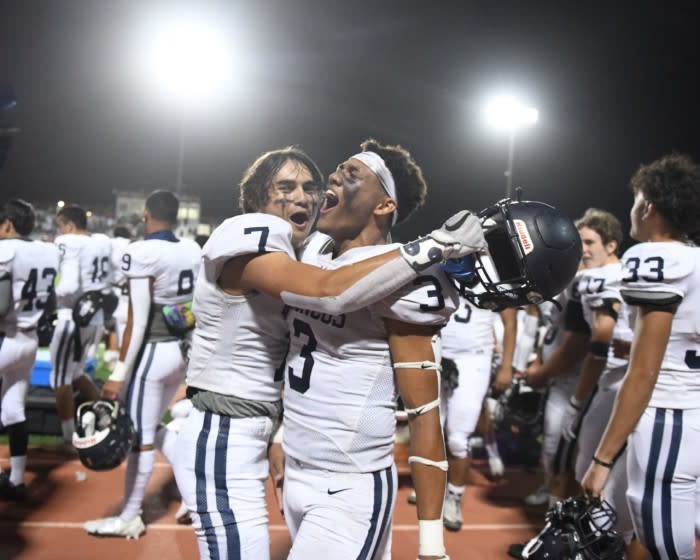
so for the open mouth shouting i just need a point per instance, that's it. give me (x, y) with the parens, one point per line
(300, 218)
(330, 202)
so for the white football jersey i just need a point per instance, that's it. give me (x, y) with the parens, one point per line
(594, 286)
(470, 328)
(239, 342)
(91, 256)
(653, 272)
(340, 395)
(553, 319)
(119, 246)
(173, 265)
(33, 266)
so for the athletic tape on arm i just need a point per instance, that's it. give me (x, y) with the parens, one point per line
(424, 365)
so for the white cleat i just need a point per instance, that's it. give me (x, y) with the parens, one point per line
(539, 497)
(452, 512)
(116, 527)
(496, 467)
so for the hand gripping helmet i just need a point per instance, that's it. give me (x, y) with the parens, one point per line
(533, 253)
(577, 529)
(104, 434)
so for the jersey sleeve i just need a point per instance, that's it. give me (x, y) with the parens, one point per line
(429, 299)
(139, 261)
(7, 255)
(249, 234)
(655, 274)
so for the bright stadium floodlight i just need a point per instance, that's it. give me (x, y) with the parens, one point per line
(507, 113)
(188, 60)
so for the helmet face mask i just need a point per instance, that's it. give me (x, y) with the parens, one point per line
(104, 434)
(577, 529)
(533, 252)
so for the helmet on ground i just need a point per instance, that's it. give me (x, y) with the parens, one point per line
(533, 252)
(577, 529)
(104, 434)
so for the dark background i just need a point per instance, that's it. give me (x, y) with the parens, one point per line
(615, 83)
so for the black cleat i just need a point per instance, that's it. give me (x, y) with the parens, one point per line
(9, 491)
(516, 550)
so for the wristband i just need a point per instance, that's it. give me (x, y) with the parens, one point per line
(119, 372)
(603, 463)
(577, 404)
(430, 538)
(279, 434)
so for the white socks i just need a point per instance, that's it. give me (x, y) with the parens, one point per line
(68, 427)
(138, 472)
(17, 467)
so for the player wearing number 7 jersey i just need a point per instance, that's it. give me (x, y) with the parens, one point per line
(161, 270)
(84, 271)
(657, 410)
(236, 366)
(27, 271)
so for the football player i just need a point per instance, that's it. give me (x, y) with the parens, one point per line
(657, 409)
(84, 274)
(237, 362)
(27, 272)
(161, 271)
(120, 287)
(343, 370)
(468, 340)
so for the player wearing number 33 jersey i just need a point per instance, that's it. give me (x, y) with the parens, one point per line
(657, 410)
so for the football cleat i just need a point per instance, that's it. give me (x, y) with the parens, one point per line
(452, 512)
(411, 499)
(11, 492)
(116, 527)
(539, 497)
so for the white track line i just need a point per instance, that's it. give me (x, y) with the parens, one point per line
(273, 528)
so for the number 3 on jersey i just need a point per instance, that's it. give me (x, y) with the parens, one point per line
(303, 382)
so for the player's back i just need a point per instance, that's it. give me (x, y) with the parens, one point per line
(654, 274)
(34, 265)
(340, 392)
(92, 257)
(469, 329)
(173, 265)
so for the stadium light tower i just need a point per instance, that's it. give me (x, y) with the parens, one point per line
(508, 113)
(188, 58)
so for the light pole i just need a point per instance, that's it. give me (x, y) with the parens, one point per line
(508, 113)
(189, 61)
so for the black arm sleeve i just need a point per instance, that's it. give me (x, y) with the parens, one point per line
(573, 318)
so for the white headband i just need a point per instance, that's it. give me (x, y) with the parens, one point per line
(376, 164)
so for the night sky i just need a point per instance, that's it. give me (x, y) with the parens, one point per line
(615, 87)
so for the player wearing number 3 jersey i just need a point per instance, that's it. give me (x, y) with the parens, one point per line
(236, 366)
(657, 410)
(27, 271)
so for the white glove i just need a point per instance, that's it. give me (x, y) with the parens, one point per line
(571, 419)
(459, 236)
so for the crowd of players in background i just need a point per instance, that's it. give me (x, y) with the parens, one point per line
(576, 358)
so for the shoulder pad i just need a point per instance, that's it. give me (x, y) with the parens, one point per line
(249, 234)
(665, 269)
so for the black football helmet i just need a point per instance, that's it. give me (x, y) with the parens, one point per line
(577, 529)
(520, 411)
(533, 253)
(86, 306)
(104, 434)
